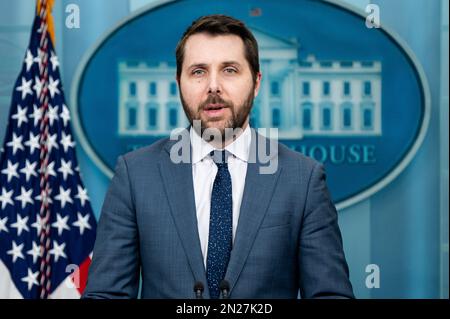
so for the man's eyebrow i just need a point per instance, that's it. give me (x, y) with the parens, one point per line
(231, 63)
(204, 65)
(198, 65)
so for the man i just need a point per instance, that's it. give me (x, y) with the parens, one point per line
(216, 225)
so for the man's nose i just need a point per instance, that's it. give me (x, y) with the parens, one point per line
(214, 84)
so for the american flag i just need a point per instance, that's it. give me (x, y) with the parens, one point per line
(47, 227)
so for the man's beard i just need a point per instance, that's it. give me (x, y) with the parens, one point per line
(237, 119)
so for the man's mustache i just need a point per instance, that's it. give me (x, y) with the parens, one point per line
(214, 99)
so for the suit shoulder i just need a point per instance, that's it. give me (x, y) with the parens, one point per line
(294, 158)
(147, 153)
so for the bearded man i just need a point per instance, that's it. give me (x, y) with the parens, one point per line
(217, 225)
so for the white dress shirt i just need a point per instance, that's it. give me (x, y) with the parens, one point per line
(204, 172)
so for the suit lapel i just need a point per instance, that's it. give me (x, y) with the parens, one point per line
(258, 191)
(178, 183)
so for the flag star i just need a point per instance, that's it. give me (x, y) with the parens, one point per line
(37, 114)
(52, 113)
(25, 88)
(51, 142)
(38, 58)
(31, 279)
(38, 224)
(16, 143)
(66, 141)
(29, 60)
(66, 168)
(82, 195)
(58, 250)
(82, 223)
(21, 224)
(53, 87)
(3, 224)
(47, 197)
(10, 170)
(20, 116)
(64, 196)
(35, 252)
(25, 197)
(33, 143)
(54, 61)
(49, 170)
(29, 170)
(16, 251)
(65, 114)
(37, 87)
(61, 223)
(5, 198)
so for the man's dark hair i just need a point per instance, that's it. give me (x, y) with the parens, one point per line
(218, 24)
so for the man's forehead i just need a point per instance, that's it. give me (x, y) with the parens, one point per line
(205, 48)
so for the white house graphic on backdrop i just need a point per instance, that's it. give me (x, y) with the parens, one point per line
(300, 98)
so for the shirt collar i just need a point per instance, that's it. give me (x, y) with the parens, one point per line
(240, 147)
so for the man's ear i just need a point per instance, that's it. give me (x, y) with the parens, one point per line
(257, 83)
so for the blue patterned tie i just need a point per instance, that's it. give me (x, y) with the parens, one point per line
(220, 225)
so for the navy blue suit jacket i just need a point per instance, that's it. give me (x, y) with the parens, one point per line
(287, 239)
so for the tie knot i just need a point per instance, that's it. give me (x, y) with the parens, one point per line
(219, 157)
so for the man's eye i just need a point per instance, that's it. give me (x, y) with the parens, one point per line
(198, 72)
(230, 70)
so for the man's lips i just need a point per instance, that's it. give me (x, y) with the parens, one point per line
(216, 106)
(214, 110)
